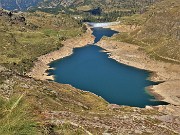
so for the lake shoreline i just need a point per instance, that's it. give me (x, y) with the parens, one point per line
(39, 70)
(166, 73)
(124, 53)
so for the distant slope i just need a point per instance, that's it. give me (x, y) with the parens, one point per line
(25, 4)
(96, 10)
(104, 4)
(88, 10)
(159, 31)
(18, 4)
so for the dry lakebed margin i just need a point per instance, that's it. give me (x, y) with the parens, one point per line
(129, 54)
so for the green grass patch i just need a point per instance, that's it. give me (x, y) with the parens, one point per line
(15, 118)
(22, 44)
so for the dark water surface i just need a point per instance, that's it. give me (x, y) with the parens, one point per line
(90, 69)
(100, 32)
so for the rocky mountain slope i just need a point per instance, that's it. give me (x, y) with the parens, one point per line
(88, 10)
(96, 10)
(157, 31)
(24, 37)
(30, 106)
(18, 4)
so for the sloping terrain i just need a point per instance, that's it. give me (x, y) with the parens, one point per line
(158, 31)
(18, 4)
(26, 37)
(95, 10)
(30, 106)
(151, 41)
(85, 10)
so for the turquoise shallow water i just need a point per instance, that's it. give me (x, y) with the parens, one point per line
(90, 69)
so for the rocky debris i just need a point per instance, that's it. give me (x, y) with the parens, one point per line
(168, 109)
(169, 90)
(113, 106)
(2, 68)
(57, 105)
(3, 13)
(6, 88)
(18, 19)
(124, 123)
(13, 18)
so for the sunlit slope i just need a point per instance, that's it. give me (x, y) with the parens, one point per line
(23, 41)
(158, 31)
(33, 107)
(18, 4)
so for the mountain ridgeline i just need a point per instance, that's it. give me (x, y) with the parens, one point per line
(86, 10)
(18, 4)
(96, 10)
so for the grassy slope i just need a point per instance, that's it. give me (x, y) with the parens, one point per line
(29, 106)
(110, 5)
(16, 118)
(111, 9)
(159, 32)
(22, 44)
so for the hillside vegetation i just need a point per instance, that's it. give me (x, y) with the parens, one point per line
(18, 4)
(158, 31)
(85, 10)
(95, 10)
(23, 39)
(32, 107)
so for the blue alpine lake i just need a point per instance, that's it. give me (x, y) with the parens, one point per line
(100, 32)
(90, 69)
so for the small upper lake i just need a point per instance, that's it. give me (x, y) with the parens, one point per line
(100, 32)
(90, 69)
